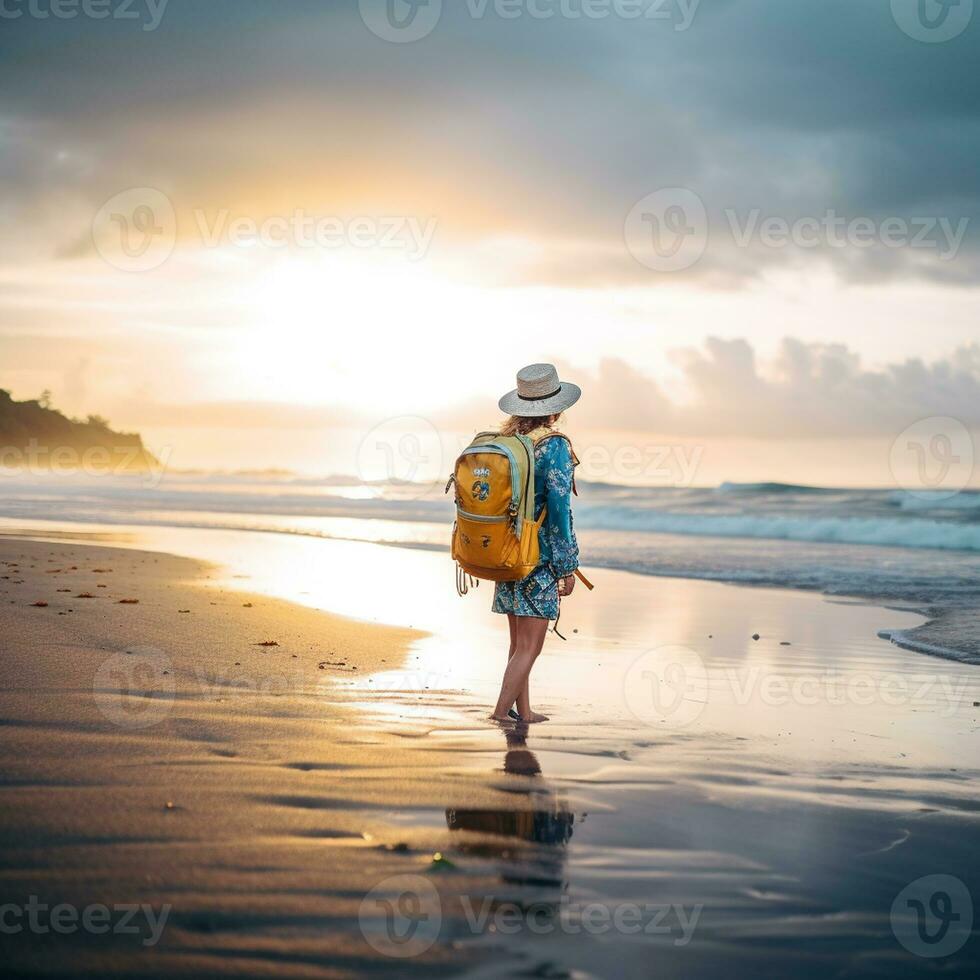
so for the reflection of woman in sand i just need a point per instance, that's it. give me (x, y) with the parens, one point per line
(534, 408)
(544, 822)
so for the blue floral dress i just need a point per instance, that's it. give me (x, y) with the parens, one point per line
(537, 594)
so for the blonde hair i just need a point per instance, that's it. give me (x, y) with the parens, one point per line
(518, 425)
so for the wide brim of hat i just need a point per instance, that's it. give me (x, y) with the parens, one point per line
(566, 396)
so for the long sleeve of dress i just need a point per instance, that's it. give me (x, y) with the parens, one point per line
(559, 532)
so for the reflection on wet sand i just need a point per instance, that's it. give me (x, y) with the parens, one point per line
(546, 825)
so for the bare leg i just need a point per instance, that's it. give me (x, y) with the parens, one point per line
(525, 698)
(530, 635)
(529, 641)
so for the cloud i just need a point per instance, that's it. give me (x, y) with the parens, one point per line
(544, 129)
(810, 391)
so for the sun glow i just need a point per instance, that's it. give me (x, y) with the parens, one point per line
(326, 328)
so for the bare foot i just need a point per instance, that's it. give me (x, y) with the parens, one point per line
(502, 718)
(532, 717)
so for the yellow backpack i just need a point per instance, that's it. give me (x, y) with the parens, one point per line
(495, 536)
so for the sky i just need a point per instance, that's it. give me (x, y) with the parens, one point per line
(257, 231)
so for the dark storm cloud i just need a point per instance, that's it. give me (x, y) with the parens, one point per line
(549, 128)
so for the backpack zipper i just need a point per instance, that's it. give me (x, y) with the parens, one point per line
(484, 518)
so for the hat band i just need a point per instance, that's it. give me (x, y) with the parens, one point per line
(539, 398)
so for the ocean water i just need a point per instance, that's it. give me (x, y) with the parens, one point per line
(911, 550)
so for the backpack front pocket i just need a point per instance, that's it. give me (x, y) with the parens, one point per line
(484, 542)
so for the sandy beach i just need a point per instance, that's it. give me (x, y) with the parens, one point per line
(155, 756)
(268, 808)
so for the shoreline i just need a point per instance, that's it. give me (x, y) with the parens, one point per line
(938, 619)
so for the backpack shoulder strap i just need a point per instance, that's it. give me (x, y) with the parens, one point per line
(484, 436)
(559, 435)
(575, 460)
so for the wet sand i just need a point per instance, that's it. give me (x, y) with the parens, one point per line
(760, 823)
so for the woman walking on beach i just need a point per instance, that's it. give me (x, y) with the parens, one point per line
(534, 409)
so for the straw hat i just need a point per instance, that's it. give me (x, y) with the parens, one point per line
(539, 392)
